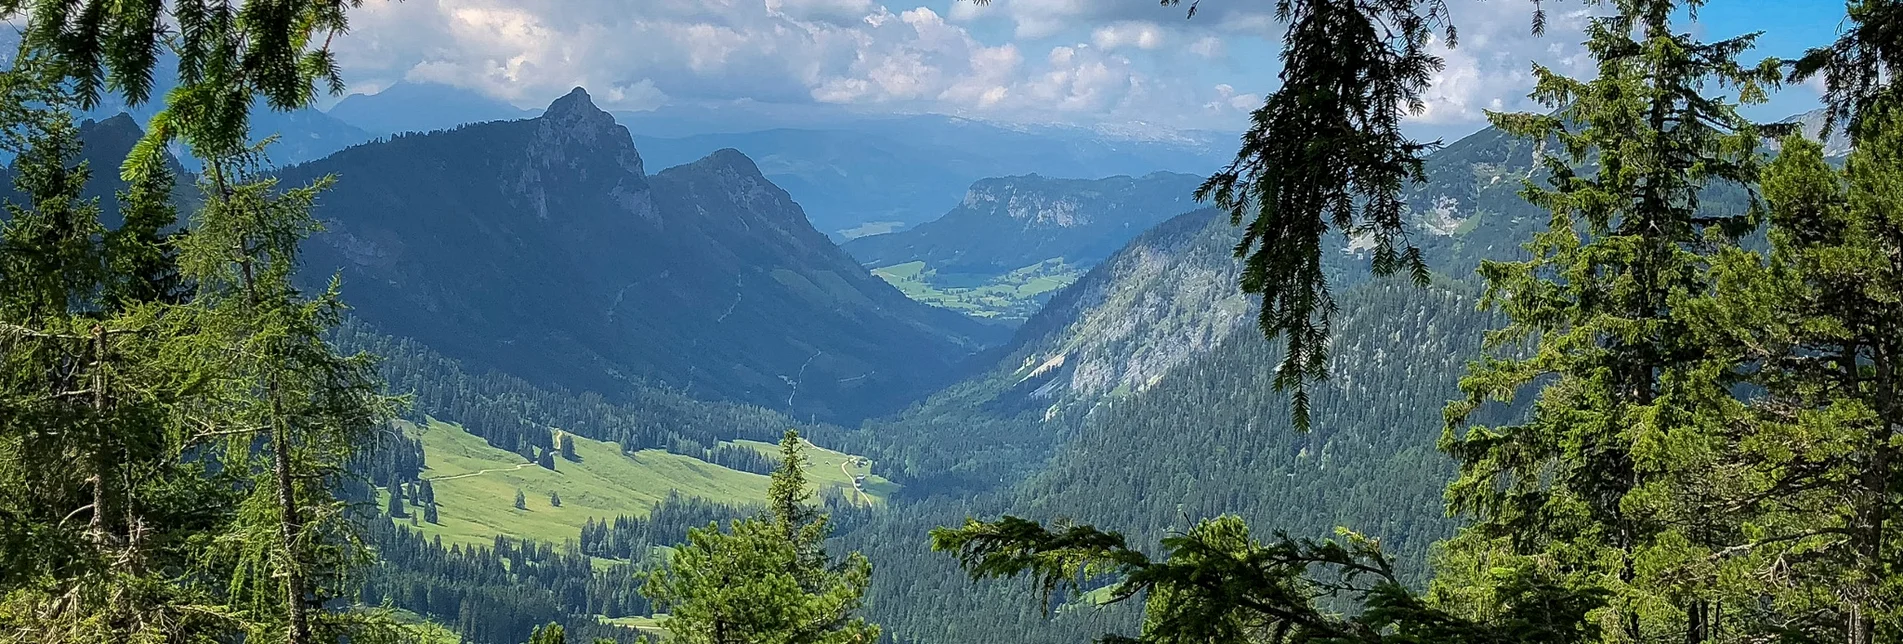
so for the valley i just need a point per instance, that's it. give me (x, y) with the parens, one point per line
(834, 323)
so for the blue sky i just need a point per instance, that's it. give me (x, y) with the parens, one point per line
(1083, 62)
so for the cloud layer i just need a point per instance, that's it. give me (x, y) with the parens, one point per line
(1072, 61)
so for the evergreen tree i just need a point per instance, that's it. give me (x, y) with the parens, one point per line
(764, 579)
(425, 492)
(292, 410)
(546, 459)
(521, 502)
(1822, 319)
(394, 507)
(96, 503)
(554, 499)
(1612, 478)
(1217, 584)
(567, 443)
(429, 514)
(550, 634)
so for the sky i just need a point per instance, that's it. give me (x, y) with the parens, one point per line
(1077, 62)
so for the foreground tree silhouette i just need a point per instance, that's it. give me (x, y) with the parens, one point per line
(765, 579)
(1217, 584)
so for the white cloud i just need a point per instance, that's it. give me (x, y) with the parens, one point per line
(639, 55)
(1069, 60)
(1131, 33)
(1492, 66)
(1209, 47)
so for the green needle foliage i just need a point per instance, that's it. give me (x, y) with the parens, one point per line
(1861, 67)
(1326, 152)
(229, 54)
(1612, 478)
(1821, 318)
(1215, 584)
(767, 579)
(100, 513)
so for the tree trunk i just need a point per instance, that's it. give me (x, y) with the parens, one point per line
(289, 528)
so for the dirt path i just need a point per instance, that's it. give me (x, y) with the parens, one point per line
(479, 473)
(856, 488)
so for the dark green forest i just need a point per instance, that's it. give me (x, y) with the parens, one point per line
(1627, 369)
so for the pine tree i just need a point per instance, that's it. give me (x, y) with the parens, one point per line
(429, 514)
(1822, 317)
(521, 502)
(1611, 478)
(425, 492)
(554, 499)
(546, 459)
(765, 578)
(567, 443)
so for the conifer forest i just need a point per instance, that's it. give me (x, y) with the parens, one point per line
(752, 339)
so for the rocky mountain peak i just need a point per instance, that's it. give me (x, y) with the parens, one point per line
(573, 123)
(577, 146)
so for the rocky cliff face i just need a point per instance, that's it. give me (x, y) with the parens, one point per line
(541, 247)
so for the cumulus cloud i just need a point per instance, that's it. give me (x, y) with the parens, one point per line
(1491, 69)
(857, 52)
(1068, 60)
(1130, 33)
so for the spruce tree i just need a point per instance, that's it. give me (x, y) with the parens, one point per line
(1611, 478)
(97, 502)
(521, 502)
(554, 499)
(765, 578)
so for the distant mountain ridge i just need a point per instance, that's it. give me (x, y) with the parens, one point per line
(1006, 223)
(896, 172)
(542, 248)
(421, 107)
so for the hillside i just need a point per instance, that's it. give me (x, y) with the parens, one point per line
(475, 484)
(1013, 240)
(1212, 437)
(542, 248)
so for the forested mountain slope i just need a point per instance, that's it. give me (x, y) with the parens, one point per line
(1213, 437)
(1140, 399)
(1168, 294)
(542, 248)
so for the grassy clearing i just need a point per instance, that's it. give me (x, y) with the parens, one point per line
(1013, 296)
(830, 469)
(475, 485)
(426, 631)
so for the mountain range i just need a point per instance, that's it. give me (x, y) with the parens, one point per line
(542, 247)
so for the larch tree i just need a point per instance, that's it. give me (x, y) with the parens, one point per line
(292, 411)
